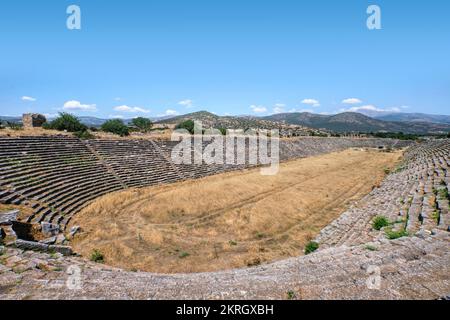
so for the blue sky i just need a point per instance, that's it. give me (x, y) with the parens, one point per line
(150, 58)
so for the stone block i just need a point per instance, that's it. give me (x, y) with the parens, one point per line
(49, 229)
(7, 218)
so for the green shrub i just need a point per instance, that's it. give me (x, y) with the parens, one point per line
(66, 122)
(97, 256)
(184, 255)
(371, 248)
(380, 222)
(188, 125)
(291, 295)
(143, 124)
(392, 235)
(443, 194)
(14, 125)
(116, 126)
(223, 131)
(260, 235)
(84, 135)
(311, 247)
(436, 216)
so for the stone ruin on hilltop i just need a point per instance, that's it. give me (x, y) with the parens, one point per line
(33, 120)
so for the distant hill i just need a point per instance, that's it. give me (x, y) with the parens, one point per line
(413, 123)
(210, 120)
(357, 122)
(11, 119)
(415, 117)
(97, 122)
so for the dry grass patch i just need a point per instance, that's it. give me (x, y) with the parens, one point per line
(230, 220)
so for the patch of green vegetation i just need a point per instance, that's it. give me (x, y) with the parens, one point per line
(232, 243)
(291, 295)
(183, 255)
(392, 235)
(311, 247)
(188, 125)
(223, 131)
(260, 235)
(14, 125)
(443, 194)
(84, 135)
(387, 170)
(97, 256)
(380, 222)
(394, 135)
(443, 183)
(66, 122)
(143, 124)
(53, 254)
(116, 126)
(371, 248)
(436, 216)
(399, 168)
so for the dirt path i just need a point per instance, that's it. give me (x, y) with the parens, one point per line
(230, 220)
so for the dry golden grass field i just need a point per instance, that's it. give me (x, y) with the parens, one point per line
(230, 220)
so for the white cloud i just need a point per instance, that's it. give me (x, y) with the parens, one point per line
(370, 108)
(301, 110)
(168, 113)
(186, 103)
(258, 109)
(77, 105)
(125, 108)
(311, 102)
(351, 101)
(364, 108)
(118, 99)
(27, 98)
(279, 108)
(50, 115)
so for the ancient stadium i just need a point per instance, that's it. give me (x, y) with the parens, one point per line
(116, 218)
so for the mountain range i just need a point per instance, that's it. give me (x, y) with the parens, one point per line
(413, 123)
(415, 117)
(357, 122)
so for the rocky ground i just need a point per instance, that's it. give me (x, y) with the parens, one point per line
(407, 268)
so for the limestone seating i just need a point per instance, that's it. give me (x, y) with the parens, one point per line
(58, 176)
(410, 198)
